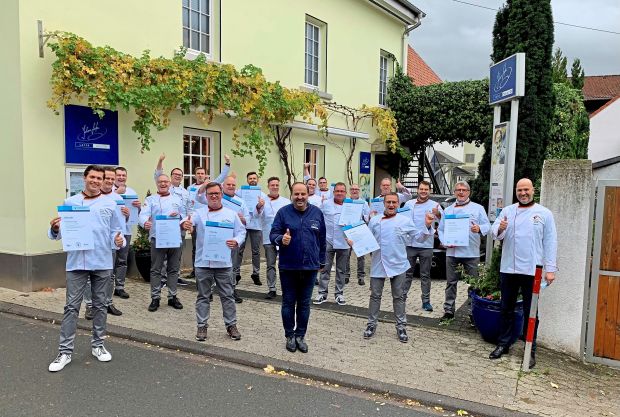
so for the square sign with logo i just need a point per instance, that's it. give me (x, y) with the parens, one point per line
(90, 139)
(507, 79)
(364, 162)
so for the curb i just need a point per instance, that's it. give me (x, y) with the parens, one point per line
(259, 361)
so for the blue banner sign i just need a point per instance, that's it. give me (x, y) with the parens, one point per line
(364, 162)
(90, 139)
(507, 79)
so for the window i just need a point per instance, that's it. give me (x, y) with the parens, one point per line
(199, 149)
(385, 72)
(197, 25)
(313, 155)
(315, 53)
(470, 158)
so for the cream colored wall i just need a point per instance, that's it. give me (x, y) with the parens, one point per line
(12, 222)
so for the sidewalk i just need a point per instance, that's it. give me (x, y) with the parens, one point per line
(450, 361)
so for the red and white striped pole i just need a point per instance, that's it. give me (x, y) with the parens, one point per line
(531, 321)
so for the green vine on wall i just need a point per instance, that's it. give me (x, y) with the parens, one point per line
(153, 88)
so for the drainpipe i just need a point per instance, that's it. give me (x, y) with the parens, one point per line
(408, 30)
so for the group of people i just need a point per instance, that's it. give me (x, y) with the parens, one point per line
(304, 232)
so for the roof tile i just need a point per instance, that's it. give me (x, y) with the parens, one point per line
(419, 71)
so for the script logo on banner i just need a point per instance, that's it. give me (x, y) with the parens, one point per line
(498, 170)
(90, 139)
(507, 79)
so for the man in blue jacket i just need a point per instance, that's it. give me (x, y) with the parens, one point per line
(299, 230)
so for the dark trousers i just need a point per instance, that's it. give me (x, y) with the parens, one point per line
(297, 289)
(511, 285)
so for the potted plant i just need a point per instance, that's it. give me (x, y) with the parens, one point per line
(484, 293)
(141, 246)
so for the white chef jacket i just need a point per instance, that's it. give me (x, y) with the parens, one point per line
(418, 215)
(393, 234)
(477, 215)
(156, 205)
(333, 231)
(315, 200)
(268, 213)
(222, 215)
(106, 224)
(200, 200)
(529, 240)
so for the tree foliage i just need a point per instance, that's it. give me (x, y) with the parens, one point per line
(570, 129)
(577, 74)
(559, 67)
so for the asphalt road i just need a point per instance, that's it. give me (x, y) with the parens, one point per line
(143, 380)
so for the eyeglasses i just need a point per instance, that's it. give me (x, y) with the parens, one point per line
(461, 190)
(213, 194)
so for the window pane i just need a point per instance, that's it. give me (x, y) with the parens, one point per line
(204, 6)
(196, 145)
(204, 43)
(316, 33)
(195, 4)
(185, 17)
(186, 166)
(308, 30)
(185, 3)
(195, 21)
(204, 25)
(195, 162)
(194, 43)
(186, 38)
(316, 64)
(186, 143)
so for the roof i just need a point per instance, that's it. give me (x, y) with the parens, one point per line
(604, 106)
(463, 172)
(444, 158)
(601, 87)
(606, 162)
(419, 71)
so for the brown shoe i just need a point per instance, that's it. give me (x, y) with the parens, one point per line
(233, 332)
(201, 334)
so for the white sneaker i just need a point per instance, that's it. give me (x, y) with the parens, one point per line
(59, 363)
(101, 354)
(340, 300)
(320, 299)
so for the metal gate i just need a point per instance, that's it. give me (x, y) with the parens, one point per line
(603, 321)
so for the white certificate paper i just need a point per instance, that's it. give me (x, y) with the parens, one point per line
(231, 203)
(363, 240)
(351, 212)
(167, 232)
(376, 204)
(456, 230)
(76, 228)
(133, 211)
(250, 194)
(216, 235)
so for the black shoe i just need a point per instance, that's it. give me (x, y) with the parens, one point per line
(316, 282)
(346, 280)
(498, 352)
(89, 314)
(301, 344)
(270, 295)
(238, 299)
(211, 297)
(361, 281)
(182, 282)
(192, 274)
(238, 278)
(446, 318)
(256, 279)
(114, 311)
(154, 304)
(121, 293)
(291, 345)
(533, 360)
(175, 303)
(370, 331)
(402, 335)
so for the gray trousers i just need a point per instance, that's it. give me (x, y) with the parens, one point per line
(426, 256)
(374, 305)
(452, 278)
(109, 289)
(361, 265)
(120, 265)
(256, 240)
(342, 269)
(270, 256)
(173, 258)
(236, 262)
(76, 285)
(205, 278)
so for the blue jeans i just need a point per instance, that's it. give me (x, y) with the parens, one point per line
(297, 289)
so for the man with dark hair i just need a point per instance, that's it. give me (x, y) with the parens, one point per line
(273, 203)
(386, 187)
(254, 229)
(324, 190)
(299, 230)
(336, 247)
(210, 271)
(315, 197)
(93, 264)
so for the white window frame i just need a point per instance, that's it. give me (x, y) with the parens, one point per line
(473, 158)
(316, 159)
(74, 180)
(384, 65)
(206, 157)
(312, 71)
(188, 8)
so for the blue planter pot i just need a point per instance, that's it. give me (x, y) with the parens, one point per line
(487, 318)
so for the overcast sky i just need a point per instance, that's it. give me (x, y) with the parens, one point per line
(455, 39)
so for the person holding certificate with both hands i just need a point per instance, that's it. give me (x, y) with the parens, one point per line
(218, 230)
(91, 229)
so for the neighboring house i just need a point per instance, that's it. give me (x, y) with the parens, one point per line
(419, 71)
(604, 144)
(598, 90)
(312, 45)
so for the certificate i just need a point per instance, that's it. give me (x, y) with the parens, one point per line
(456, 230)
(232, 203)
(167, 232)
(214, 244)
(376, 204)
(363, 240)
(76, 228)
(192, 190)
(250, 194)
(133, 211)
(351, 211)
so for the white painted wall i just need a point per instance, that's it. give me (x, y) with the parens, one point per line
(566, 191)
(610, 172)
(605, 133)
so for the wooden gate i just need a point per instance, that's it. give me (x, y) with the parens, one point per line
(603, 336)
